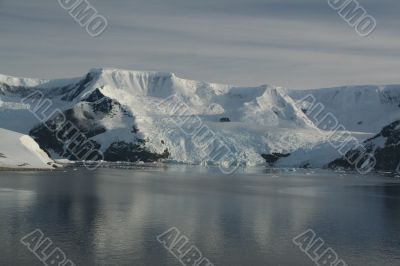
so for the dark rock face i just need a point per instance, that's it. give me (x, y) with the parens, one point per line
(132, 152)
(56, 134)
(387, 157)
(70, 134)
(76, 124)
(100, 103)
(225, 120)
(274, 157)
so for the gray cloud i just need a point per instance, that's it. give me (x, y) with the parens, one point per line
(298, 43)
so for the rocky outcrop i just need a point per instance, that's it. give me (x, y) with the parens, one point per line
(132, 152)
(385, 147)
(274, 157)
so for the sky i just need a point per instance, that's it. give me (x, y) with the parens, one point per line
(290, 43)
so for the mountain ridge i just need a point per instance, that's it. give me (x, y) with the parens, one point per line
(37, 81)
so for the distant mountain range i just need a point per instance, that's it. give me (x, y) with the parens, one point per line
(150, 116)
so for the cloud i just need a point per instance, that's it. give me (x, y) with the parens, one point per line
(297, 44)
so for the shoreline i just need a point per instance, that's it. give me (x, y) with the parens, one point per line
(16, 169)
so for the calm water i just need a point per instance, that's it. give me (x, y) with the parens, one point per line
(113, 216)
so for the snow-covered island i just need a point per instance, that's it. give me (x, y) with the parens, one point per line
(127, 117)
(19, 151)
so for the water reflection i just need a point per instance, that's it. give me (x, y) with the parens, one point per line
(112, 216)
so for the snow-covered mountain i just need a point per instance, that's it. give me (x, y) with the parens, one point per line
(385, 147)
(19, 151)
(358, 108)
(148, 116)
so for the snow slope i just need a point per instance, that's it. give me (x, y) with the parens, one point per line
(359, 108)
(21, 152)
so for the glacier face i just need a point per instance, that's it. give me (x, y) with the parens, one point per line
(119, 111)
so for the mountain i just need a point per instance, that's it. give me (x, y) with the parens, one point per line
(385, 147)
(134, 116)
(19, 151)
(358, 108)
(122, 113)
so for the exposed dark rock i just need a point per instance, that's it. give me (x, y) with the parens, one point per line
(225, 120)
(71, 133)
(100, 103)
(353, 159)
(78, 125)
(95, 96)
(387, 157)
(129, 152)
(56, 135)
(274, 157)
(135, 130)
